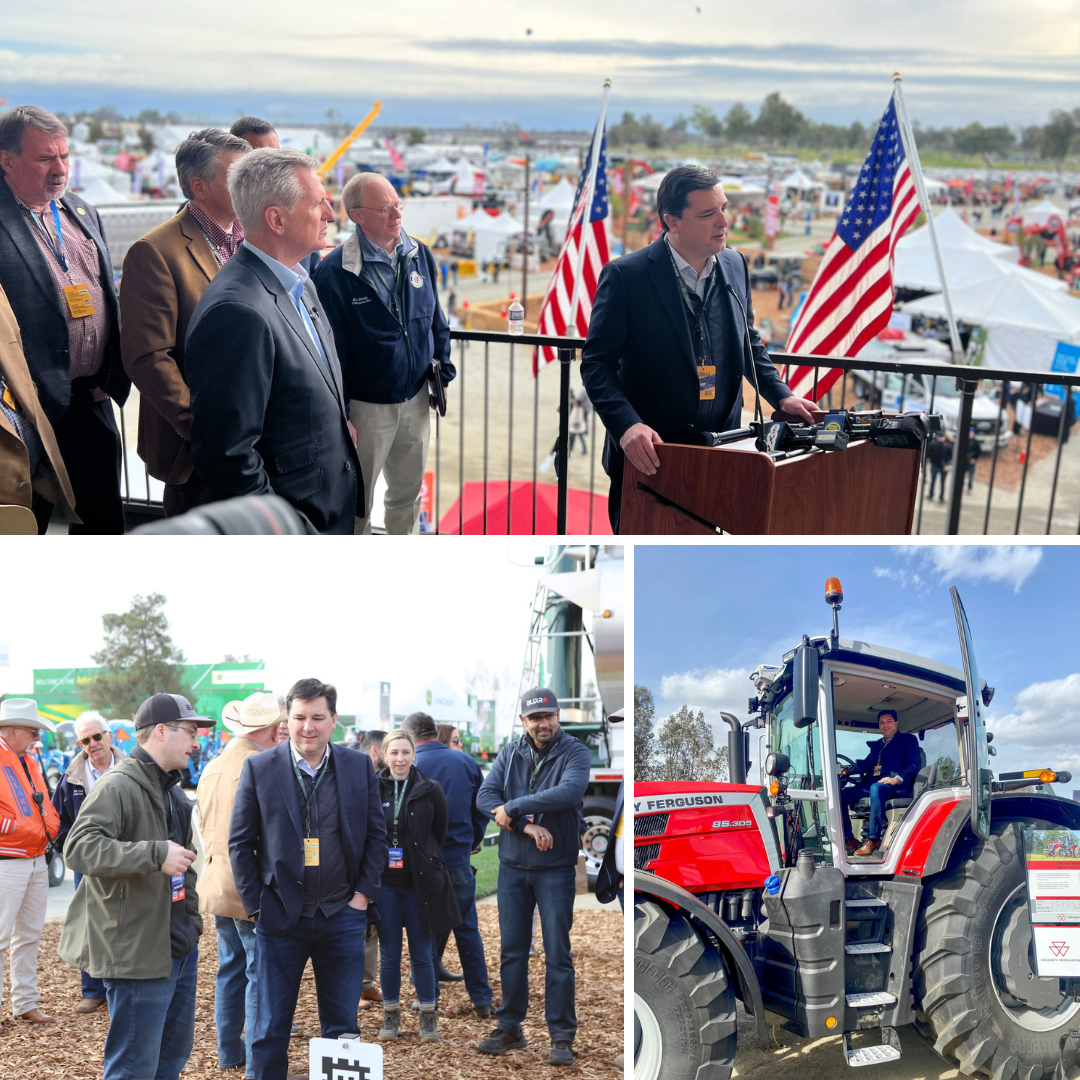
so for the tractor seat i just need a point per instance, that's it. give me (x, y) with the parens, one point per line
(925, 778)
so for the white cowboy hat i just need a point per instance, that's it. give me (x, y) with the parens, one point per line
(255, 712)
(23, 712)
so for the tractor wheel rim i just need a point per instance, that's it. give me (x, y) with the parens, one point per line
(595, 841)
(648, 1043)
(1012, 972)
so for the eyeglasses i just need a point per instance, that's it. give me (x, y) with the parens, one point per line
(96, 737)
(393, 208)
(191, 732)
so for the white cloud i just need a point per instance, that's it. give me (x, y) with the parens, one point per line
(1041, 729)
(713, 688)
(995, 564)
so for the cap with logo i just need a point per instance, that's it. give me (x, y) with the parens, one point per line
(168, 709)
(538, 700)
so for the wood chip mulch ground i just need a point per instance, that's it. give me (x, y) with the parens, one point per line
(72, 1047)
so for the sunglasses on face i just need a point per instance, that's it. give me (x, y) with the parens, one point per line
(96, 737)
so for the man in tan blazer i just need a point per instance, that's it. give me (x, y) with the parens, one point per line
(254, 722)
(165, 275)
(29, 457)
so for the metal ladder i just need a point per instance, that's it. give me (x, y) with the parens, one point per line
(868, 916)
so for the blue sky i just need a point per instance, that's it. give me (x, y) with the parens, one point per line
(705, 617)
(481, 62)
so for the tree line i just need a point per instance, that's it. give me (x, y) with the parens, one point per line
(780, 124)
(681, 748)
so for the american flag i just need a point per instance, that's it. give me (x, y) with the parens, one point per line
(851, 299)
(395, 156)
(555, 314)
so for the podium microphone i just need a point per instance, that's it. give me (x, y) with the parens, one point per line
(759, 415)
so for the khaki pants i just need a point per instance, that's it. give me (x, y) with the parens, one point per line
(393, 439)
(24, 893)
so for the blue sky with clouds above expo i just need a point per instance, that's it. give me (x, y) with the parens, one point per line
(476, 61)
(705, 617)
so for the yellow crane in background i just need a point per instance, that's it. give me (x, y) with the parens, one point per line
(332, 160)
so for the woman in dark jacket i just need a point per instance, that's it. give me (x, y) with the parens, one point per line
(417, 895)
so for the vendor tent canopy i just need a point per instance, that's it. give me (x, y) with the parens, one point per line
(798, 179)
(560, 197)
(439, 700)
(98, 193)
(1038, 216)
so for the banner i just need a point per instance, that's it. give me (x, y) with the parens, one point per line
(1053, 872)
(772, 215)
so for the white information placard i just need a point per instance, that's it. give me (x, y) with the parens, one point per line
(345, 1059)
(1057, 951)
(1053, 873)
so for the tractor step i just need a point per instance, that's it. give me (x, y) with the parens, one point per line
(889, 1050)
(862, 947)
(862, 1001)
(867, 902)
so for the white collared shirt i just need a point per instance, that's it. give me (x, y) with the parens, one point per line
(302, 764)
(92, 774)
(697, 282)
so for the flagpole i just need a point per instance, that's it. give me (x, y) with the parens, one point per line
(920, 187)
(586, 203)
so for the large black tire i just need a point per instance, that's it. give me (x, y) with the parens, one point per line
(683, 996)
(958, 965)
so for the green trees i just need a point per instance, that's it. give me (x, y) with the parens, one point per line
(681, 749)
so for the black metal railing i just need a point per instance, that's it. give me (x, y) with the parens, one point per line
(480, 438)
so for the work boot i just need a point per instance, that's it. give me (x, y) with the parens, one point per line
(446, 976)
(499, 1041)
(36, 1016)
(89, 1005)
(561, 1053)
(429, 1025)
(484, 1011)
(391, 1024)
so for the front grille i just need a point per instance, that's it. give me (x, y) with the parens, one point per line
(644, 855)
(651, 824)
(985, 426)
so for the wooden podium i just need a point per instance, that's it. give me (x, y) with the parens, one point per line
(699, 490)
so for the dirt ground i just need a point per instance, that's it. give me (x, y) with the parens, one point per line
(72, 1048)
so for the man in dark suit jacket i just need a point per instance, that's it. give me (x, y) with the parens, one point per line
(307, 845)
(268, 413)
(670, 341)
(62, 293)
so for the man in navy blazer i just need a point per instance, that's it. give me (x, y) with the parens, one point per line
(887, 772)
(670, 341)
(268, 412)
(307, 843)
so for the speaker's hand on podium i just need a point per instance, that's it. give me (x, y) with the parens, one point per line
(637, 444)
(799, 408)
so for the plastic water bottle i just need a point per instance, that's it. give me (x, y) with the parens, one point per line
(515, 316)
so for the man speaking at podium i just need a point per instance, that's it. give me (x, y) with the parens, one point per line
(670, 340)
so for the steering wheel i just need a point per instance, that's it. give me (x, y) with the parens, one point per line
(852, 767)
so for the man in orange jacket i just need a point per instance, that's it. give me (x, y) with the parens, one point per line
(28, 824)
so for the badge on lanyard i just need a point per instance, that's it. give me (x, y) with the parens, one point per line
(416, 279)
(706, 382)
(395, 858)
(176, 882)
(78, 300)
(311, 851)
(8, 397)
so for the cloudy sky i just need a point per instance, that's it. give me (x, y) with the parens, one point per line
(374, 612)
(476, 61)
(706, 617)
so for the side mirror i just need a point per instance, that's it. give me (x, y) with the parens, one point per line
(804, 698)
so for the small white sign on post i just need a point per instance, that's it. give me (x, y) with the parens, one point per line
(1053, 872)
(345, 1059)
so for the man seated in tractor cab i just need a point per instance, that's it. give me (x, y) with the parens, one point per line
(887, 772)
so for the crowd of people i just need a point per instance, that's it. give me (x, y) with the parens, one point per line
(314, 851)
(261, 367)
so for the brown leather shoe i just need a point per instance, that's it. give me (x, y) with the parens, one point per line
(850, 844)
(89, 1005)
(365, 1004)
(371, 993)
(36, 1016)
(868, 848)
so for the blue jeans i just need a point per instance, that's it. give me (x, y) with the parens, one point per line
(519, 892)
(91, 987)
(151, 1024)
(936, 472)
(234, 992)
(400, 910)
(470, 946)
(335, 947)
(878, 794)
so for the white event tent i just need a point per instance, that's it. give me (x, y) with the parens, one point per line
(490, 234)
(440, 701)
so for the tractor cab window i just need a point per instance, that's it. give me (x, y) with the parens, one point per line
(803, 748)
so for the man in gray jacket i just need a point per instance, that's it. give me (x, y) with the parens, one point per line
(534, 792)
(134, 921)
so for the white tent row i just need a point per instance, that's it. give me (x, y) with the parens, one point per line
(490, 234)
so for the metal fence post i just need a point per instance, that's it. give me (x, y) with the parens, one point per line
(566, 358)
(959, 462)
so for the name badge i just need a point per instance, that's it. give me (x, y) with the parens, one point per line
(8, 397)
(395, 858)
(706, 374)
(311, 851)
(78, 301)
(877, 770)
(176, 885)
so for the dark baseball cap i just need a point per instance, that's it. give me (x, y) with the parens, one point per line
(538, 700)
(168, 709)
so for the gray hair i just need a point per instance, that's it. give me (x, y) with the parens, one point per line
(352, 194)
(199, 154)
(94, 717)
(265, 178)
(15, 121)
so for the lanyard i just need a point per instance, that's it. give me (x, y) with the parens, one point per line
(393, 288)
(398, 800)
(212, 245)
(58, 248)
(40, 805)
(536, 769)
(309, 795)
(697, 306)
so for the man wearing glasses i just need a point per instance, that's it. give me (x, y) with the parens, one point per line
(86, 769)
(28, 824)
(134, 922)
(379, 291)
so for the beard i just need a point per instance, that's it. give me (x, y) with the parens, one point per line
(55, 187)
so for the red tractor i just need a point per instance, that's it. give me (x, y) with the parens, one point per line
(748, 893)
